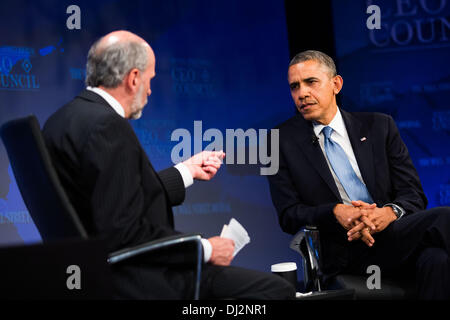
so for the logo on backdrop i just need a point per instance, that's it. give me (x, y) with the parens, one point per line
(16, 69)
(192, 78)
(409, 24)
(78, 73)
(208, 208)
(441, 121)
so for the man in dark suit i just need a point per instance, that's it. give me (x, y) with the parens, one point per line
(350, 174)
(117, 193)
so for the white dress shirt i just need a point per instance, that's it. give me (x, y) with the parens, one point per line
(186, 175)
(340, 136)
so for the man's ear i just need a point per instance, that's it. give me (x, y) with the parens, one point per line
(338, 83)
(132, 80)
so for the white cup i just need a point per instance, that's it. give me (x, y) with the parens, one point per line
(286, 270)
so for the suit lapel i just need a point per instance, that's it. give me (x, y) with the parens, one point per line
(362, 148)
(303, 136)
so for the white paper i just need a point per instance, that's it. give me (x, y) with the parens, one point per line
(236, 232)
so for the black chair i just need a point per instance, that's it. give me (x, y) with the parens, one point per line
(40, 271)
(50, 208)
(307, 243)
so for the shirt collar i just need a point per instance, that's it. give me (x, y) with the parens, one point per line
(337, 124)
(110, 99)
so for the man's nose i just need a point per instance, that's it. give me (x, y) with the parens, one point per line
(303, 93)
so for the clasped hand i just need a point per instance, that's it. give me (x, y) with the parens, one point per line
(362, 220)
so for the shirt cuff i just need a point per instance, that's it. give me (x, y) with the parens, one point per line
(207, 250)
(185, 174)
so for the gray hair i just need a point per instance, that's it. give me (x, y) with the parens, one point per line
(315, 55)
(108, 66)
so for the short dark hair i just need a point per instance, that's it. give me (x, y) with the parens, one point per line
(315, 55)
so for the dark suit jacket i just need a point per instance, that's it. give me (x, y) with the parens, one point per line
(304, 192)
(111, 183)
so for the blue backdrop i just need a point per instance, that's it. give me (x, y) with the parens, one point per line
(402, 69)
(224, 64)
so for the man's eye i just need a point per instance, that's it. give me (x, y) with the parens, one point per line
(294, 86)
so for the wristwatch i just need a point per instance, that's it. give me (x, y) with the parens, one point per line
(397, 210)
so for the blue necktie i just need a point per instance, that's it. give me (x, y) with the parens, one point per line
(356, 190)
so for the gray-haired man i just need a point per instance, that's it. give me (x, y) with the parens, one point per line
(117, 193)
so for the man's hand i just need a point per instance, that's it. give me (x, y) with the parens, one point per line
(204, 165)
(379, 217)
(362, 229)
(347, 215)
(222, 251)
(351, 216)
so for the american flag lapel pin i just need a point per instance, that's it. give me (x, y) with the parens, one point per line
(363, 139)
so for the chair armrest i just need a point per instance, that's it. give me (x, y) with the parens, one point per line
(307, 243)
(166, 242)
(171, 241)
